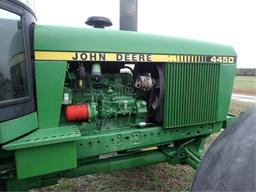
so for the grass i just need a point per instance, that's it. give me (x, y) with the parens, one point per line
(159, 177)
(245, 85)
(236, 107)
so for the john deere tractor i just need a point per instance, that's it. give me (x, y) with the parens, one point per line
(77, 101)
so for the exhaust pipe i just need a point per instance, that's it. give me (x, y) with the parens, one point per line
(128, 15)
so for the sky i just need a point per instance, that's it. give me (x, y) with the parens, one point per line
(230, 22)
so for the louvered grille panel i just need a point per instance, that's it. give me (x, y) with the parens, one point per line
(190, 94)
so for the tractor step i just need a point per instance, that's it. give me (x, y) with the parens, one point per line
(45, 151)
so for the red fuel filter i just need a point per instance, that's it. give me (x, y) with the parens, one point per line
(77, 112)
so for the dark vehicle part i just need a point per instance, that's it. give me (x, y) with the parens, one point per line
(99, 22)
(128, 15)
(145, 82)
(229, 164)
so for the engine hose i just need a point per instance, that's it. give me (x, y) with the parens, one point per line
(127, 67)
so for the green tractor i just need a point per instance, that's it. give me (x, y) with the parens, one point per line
(77, 101)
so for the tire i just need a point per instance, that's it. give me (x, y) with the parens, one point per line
(229, 163)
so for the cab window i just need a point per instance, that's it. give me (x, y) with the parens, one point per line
(13, 69)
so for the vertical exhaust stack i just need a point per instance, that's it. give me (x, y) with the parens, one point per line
(128, 15)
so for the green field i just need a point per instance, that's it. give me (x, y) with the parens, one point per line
(245, 85)
(160, 177)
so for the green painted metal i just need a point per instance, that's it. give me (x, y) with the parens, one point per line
(50, 78)
(45, 151)
(15, 184)
(120, 162)
(115, 163)
(230, 119)
(191, 94)
(190, 152)
(45, 137)
(127, 139)
(59, 38)
(196, 102)
(226, 81)
(15, 128)
(109, 98)
(45, 159)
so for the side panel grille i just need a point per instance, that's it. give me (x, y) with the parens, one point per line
(191, 93)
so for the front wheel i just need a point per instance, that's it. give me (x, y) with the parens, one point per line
(229, 164)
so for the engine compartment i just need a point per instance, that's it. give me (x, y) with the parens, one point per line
(103, 96)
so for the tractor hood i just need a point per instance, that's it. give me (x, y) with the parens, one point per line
(74, 39)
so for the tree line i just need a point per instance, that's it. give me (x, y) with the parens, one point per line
(246, 72)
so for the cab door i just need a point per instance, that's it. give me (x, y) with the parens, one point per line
(16, 70)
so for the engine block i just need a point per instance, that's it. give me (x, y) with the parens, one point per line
(111, 98)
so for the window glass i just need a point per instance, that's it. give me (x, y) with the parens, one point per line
(13, 74)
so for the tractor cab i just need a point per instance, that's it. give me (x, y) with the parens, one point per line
(16, 83)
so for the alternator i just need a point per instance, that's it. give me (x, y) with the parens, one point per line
(145, 82)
